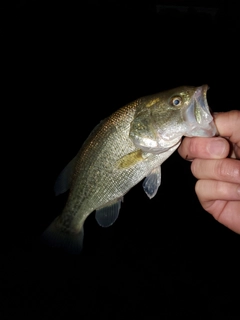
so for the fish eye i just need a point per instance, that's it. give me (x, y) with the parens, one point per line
(176, 101)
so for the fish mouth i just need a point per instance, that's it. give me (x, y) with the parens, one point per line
(198, 116)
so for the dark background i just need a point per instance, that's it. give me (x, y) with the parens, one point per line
(64, 68)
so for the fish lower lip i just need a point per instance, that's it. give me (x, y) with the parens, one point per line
(198, 116)
(201, 104)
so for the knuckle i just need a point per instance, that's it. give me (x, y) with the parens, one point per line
(236, 171)
(220, 169)
(228, 169)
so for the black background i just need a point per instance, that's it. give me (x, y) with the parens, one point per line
(64, 68)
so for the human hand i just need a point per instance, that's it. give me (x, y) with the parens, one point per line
(216, 163)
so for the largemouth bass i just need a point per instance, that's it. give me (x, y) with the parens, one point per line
(123, 149)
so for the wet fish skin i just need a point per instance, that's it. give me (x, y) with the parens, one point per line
(123, 149)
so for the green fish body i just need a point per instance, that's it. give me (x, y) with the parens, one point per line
(128, 146)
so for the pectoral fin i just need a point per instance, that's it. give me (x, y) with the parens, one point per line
(108, 215)
(152, 182)
(130, 159)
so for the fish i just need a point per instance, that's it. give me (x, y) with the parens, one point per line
(128, 146)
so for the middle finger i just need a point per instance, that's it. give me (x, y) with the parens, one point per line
(227, 169)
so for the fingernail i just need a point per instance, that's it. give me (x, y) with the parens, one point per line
(216, 147)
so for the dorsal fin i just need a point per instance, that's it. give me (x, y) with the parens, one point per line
(63, 181)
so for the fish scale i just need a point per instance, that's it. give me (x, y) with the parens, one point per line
(123, 149)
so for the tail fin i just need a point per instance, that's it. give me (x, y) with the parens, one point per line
(54, 236)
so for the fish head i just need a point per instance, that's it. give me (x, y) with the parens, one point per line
(162, 119)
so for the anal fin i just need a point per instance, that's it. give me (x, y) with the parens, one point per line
(152, 182)
(107, 215)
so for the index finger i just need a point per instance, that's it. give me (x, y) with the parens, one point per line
(204, 148)
(228, 125)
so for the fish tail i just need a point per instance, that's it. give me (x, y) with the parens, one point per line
(54, 236)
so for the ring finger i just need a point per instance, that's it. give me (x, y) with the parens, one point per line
(227, 169)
